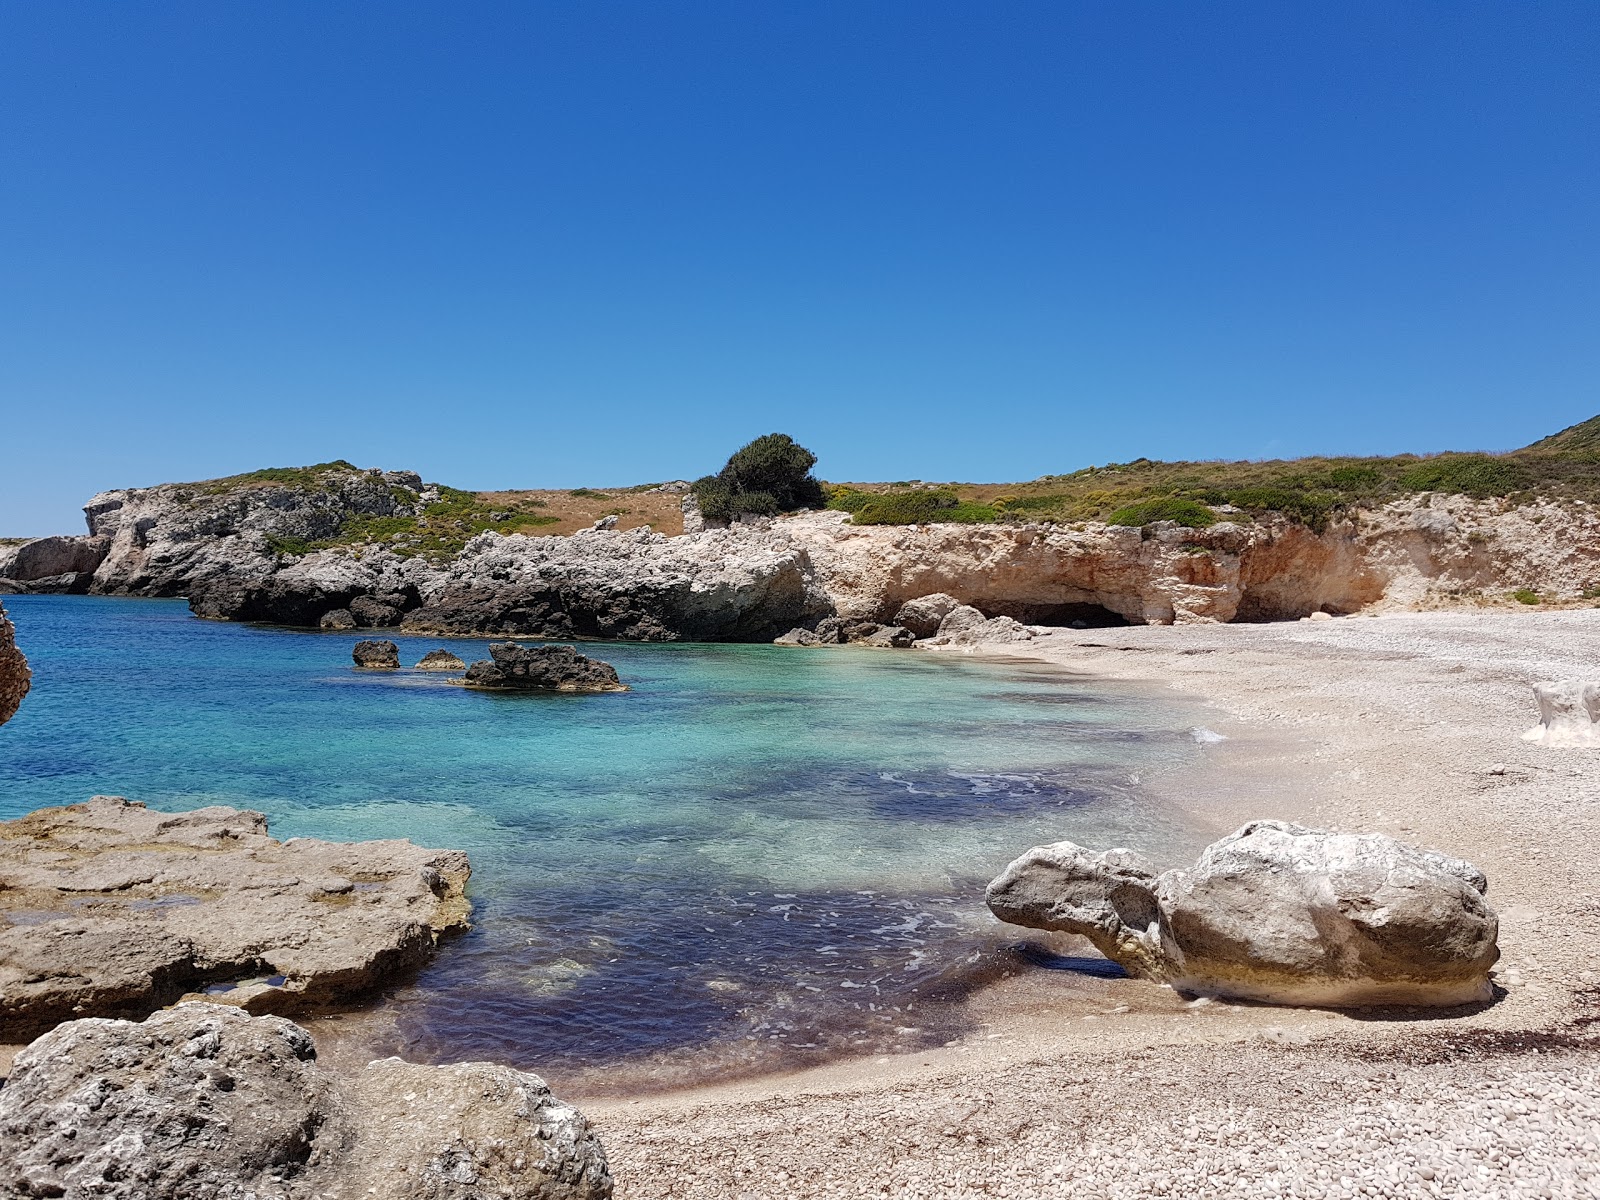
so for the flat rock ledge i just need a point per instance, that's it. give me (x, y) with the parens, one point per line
(203, 1100)
(511, 667)
(110, 909)
(1276, 913)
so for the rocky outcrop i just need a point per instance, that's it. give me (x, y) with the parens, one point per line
(336, 620)
(923, 615)
(376, 654)
(1569, 715)
(205, 1101)
(440, 660)
(15, 677)
(723, 585)
(511, 667)
(53, 564)
(1274, 912)
(111, 909)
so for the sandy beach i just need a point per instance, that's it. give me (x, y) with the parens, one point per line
(1408, 724)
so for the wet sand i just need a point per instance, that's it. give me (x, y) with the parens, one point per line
(1070, 1085)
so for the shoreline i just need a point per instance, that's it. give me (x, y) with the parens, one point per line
(1408, 724)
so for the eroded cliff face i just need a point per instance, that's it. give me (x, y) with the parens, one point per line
(14, 674)
(229, 554)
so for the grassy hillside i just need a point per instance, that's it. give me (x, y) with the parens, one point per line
(1309, 490)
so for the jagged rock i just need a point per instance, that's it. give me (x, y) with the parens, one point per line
(337, 619)
(606, 522)
(798, 637)
(130, 909)
(440, 660)
(371, 612)
(923, 615)
(1569, 715)
(14, 673)
(205, 1101)
(858, 631)
(52, 557)
(830, 631)
(542, 668)
(1274, 912)
(377, 654)
(894, 636)
(959, 620)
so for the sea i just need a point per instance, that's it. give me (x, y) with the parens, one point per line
(757, 857)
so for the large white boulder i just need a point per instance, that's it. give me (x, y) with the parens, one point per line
(1569, 715)
(1274, 912)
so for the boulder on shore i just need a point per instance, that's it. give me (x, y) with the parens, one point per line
(377, 654)
(204, 1100)
(14, 673)
(923, 615)
(128, 910)
(440, 660)
(337, 619)
(511, 667)
(1569, 715)
(1274, 912)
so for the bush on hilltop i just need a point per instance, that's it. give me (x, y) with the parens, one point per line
(769, 475)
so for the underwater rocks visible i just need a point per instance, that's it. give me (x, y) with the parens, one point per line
(110, 909)
(377, 654)
(511, 667)
(440, 660)
(204, 1100)
(1274, 912)
(14, 674)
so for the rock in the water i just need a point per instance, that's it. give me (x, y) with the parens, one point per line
(1274, 912)
(830, 631)
(380, 654)
(542, 668)
(440, 660)
(129, 909)
(14, 673)
(890, 635)
(798, 637)
(1569, 715)
(53, 557)
(374, 612)
(923, 615)
(205, 1101)
(337, 618)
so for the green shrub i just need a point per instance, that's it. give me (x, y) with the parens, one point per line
(1188, 513)
(1309, 508)
(1476, 475)
(1526, 596)
(769, 475)
(587, 494)
(280, 543)
(914, 508)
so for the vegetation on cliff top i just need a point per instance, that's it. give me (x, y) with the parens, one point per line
(769, 475)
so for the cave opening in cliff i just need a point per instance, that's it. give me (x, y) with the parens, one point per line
(1078, 615)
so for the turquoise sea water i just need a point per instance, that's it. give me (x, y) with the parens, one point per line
(757, 854)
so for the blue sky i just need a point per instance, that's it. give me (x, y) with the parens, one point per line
(542, 244)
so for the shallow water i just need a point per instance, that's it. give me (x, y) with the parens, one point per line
(759, 855)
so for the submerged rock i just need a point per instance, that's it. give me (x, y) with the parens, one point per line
(542, 668)
(379, 654)
(115, 910)
(1274, 912)
(203, 1100)
(14, 673)
(1569, 715)
(440, 660)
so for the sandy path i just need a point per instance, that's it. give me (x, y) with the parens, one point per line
(1407, 724)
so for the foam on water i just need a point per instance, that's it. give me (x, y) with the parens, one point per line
(757, 854)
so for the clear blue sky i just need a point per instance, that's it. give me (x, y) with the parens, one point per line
(553, 244)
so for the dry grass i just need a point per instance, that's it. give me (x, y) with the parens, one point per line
(663, 512)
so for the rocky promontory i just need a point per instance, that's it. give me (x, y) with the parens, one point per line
(112, 909)
(14, 673)
(511, 667)
(205, 1100)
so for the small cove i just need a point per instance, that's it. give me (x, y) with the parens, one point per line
(758, 857)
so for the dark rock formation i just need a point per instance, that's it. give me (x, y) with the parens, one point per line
(542, 668)
(337, 619)
(378, 612)
(440, 660)
(376, 654)
(14, 673)
(130, 909)
(923, 615)
(206, 1101)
